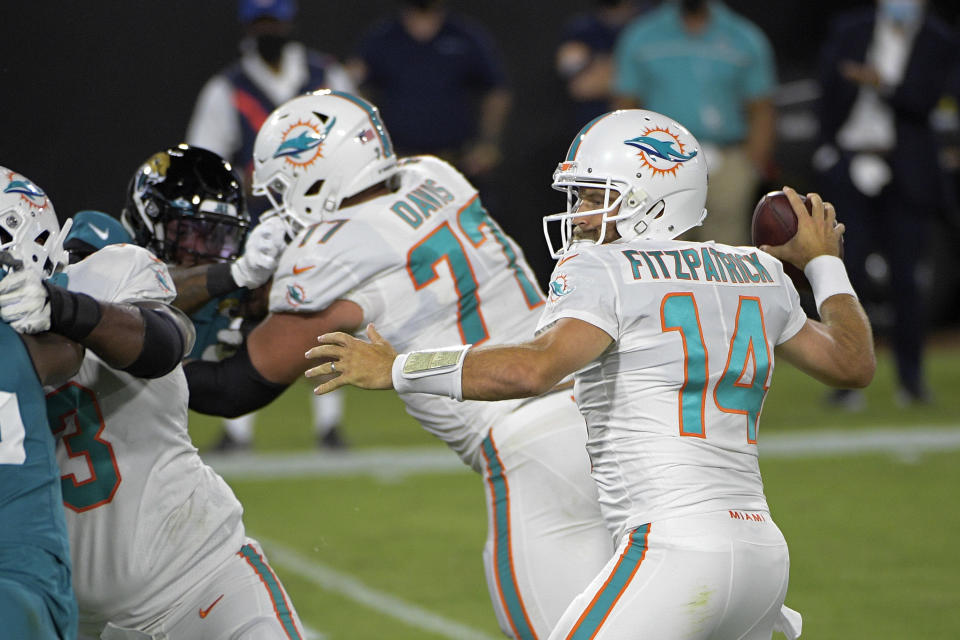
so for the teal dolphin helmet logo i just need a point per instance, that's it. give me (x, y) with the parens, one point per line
(30, 192)
(661, 150)
(303, 142)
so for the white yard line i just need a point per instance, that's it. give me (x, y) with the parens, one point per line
(349, 587)
(836, 442)
(389, 463)
(401, 462)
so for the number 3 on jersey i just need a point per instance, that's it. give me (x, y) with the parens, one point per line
(678, 312)
(79, 404)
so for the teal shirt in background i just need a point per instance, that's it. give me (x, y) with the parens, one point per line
(703, 80)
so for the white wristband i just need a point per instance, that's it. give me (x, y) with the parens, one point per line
(828, 277)
(435, 372)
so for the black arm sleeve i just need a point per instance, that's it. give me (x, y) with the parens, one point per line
(164, 346)
(229, 388)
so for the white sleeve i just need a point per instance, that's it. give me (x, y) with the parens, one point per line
(581, 288)
(214, 124)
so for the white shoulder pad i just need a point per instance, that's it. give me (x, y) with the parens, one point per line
(122, 273)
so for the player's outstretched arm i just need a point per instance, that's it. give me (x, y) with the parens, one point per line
(267, 363)
(838, 350)
(483, 373)
(146, 340)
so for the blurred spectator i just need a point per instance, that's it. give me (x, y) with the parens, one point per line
(882, 71)
(273, 67)
(712, 69)
(440, 85)
(585, 57)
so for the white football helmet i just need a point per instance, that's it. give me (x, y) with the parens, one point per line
(317, 149)
(653, 172)
(29, 231)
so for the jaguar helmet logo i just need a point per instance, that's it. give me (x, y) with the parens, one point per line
(158, 164)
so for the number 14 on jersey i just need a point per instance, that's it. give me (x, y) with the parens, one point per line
(737, 391)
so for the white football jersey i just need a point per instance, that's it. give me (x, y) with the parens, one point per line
(672, 407)
(147, 519)
(429, 268)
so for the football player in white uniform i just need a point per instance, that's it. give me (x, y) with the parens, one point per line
(156, 536)
(407, 244)
(672, 345)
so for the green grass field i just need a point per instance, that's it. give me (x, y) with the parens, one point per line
(373, 555)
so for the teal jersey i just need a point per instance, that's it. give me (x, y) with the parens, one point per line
(702, 80)
(31, 503)
(209, 320)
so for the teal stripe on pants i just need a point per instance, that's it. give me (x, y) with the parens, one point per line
(501, 561)
(605, 600)
(273, 587)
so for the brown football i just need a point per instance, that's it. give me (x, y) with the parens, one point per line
(774, 223)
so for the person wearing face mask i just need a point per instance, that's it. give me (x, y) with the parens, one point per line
(882, 71)
(704, 65)
(273, 67)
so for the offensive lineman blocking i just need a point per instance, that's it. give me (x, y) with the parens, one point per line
(409, 246)
(158, 544)
(672, 346)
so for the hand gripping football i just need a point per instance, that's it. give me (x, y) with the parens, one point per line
(774, 223)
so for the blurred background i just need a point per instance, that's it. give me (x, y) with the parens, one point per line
(92, 89)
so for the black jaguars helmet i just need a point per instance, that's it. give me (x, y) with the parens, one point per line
(186, 205)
